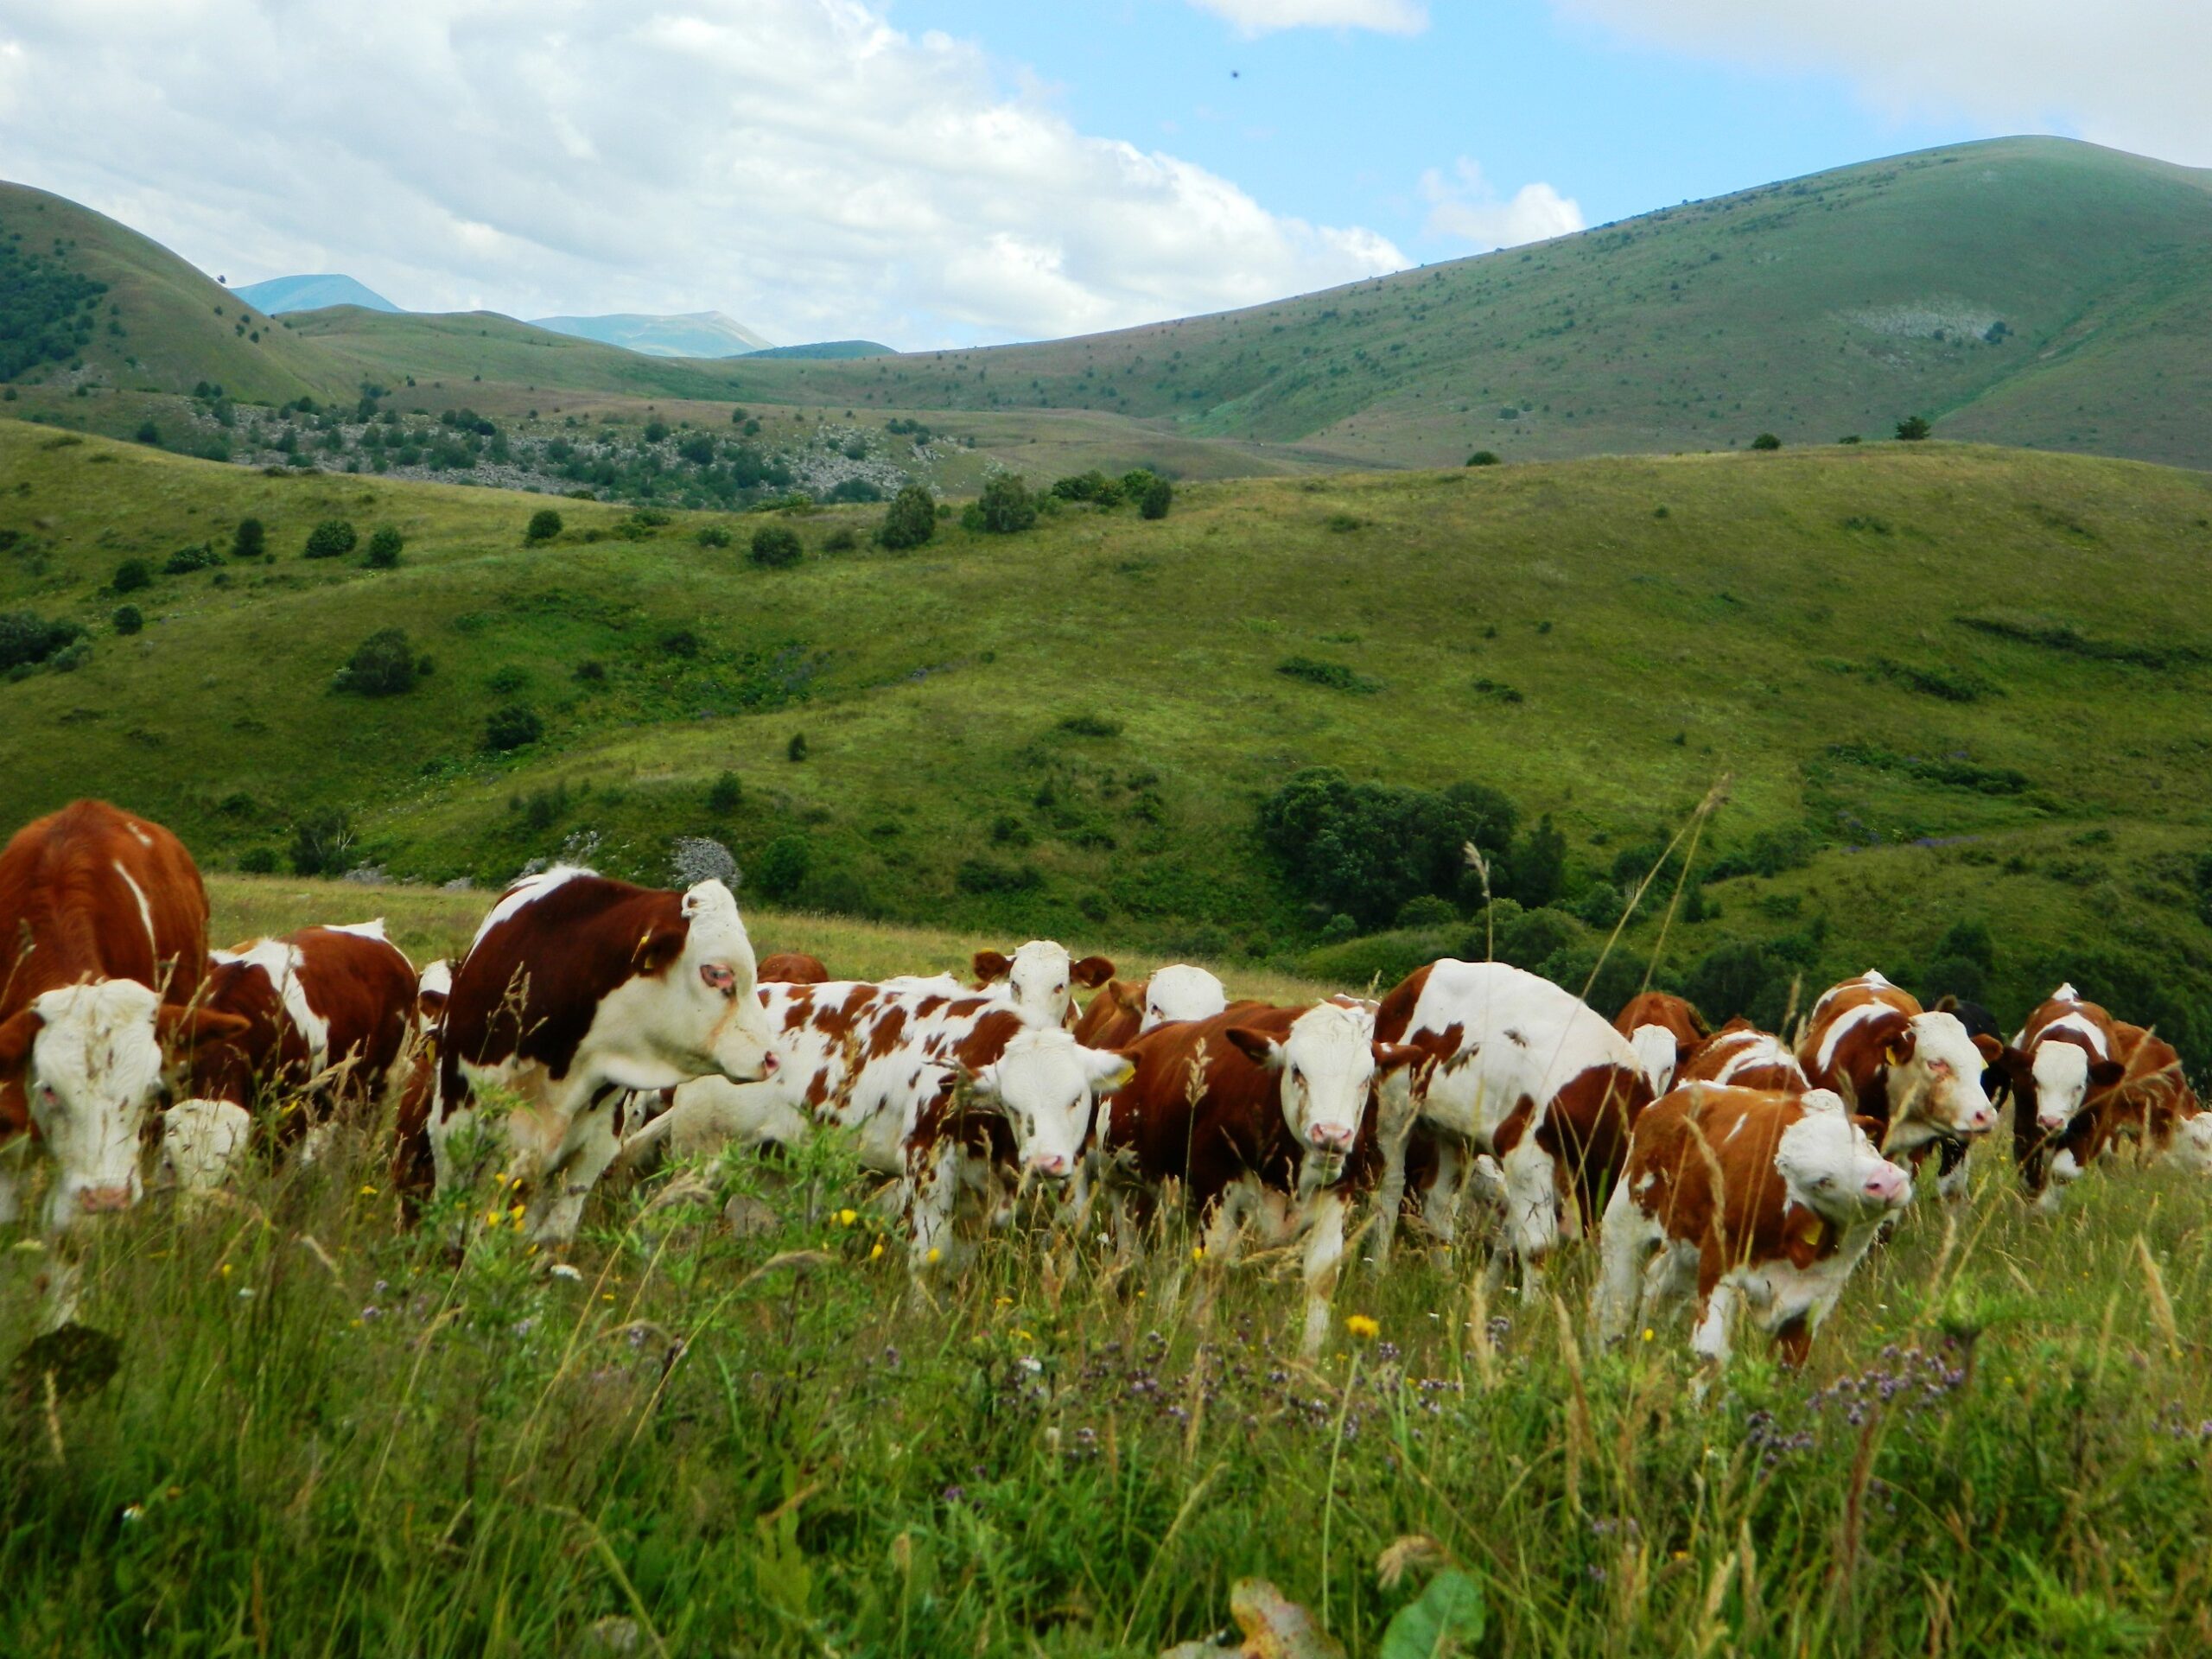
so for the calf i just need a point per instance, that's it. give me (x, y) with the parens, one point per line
(1759, 1199)
(1916, 1072)
(792, 968)
(1665, 1031)
(2059, 1065)
(1255, 1111)
(1741, 1054)
(1039, 977)
(1527, 1073)
(102, 942)
(576, 990)
(1122, 1012)
(327, 1013)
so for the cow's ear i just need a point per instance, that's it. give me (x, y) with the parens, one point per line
(1127, 997)
(1092, 971)
(2105, 1073)
(991, 965)
(17, 1037)
(189, 1027)
(1391, 1056)
(1946, 1003)
(1257, 1046)
(1989, 1048)
(1901, 1047)
(1108, 1069)
(661, 947)
(1873, 1129)
(2019, 1069)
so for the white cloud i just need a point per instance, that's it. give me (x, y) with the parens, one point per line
(799, 164)
(1463, 206)
(2126, 72)
(1264, 16)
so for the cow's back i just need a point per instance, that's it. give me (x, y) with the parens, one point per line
(364, 990)
(1846, 1041)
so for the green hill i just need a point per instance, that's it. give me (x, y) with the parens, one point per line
(1948, 683)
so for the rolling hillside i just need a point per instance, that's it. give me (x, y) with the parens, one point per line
(282, 294)
(1071, 730)
(701, 333)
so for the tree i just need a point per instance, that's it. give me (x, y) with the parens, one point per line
(698, 449)
(725, 794)
(777, 546)
(1539, 864)
(782, 866)
(796, 749)
(512, 727)
(384, 548)
(132, 575)
(1766, 441)
(1364, 849)
(333, 538)
(249, 540)
(148, 432)
(1006, 507)
(382, 665)
(27, 638)
(655, 431)
(911, 520)
(714, 536)
(129, 618)
(322, 844)
(1483, 458)
(1913, 428)
(1158, 496)
(544, 525)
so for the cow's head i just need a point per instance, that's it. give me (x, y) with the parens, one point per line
(90, 1059)
(1045, 1082)
(1181, 992)
(1830, 1166)
(710, 1020)
(1039, 976)
(432, 987)
(202, 1140)
(1328, 1064)
(1934, 1080)
(2055, 1078)
(1657, 1054)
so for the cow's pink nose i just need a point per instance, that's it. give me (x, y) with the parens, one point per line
(768, 1064)
(100, 1199)
(1887, 1184)
(2051, 1120)
(1050, 1163)
(1983, 1120)
(1330, 1136)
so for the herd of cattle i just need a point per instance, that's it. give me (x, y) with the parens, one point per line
(609, 1021)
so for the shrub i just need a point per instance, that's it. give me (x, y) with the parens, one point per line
(591, 672)
(514, 726)
(681, 642)
(1426, 910)
(128, 618)
(258, 861)
(544, 525)
(26, 638)
(986, 876)
(1136, 482)
(777, 547)
(322, 844)
(249, 540)
(1741, 978)
(333, 538)
(698, 449)
(1006, 506)
(131, 575)
(1483, 458)
(911, 520)
(1598, 905)
(383, 549)
(796, 749)
(726, 793)
(1766, 441)
(782, 866)
(840, 540)
(1093, 485)
(1364, 849)
(1090, 725)
(1537, 868)
(382, 665)
(185, 560)
(1158, 497)
(715, 536)
(1333, 676)
(148, 432)
(1913, 428)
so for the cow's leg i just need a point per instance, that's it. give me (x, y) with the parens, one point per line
(1325, 1251)
(932, 1197)
(1532, 1210)
(2064, 1172)
(1394, 1121)
(1225, 1229)
(1625, 1241)
(1668, 1278)
(1440, 1196)
(1716, 1323)
(566, 1180)
(1793, 1340)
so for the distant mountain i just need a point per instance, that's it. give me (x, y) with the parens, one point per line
(282, 294)
(699, 333)
(830, 350)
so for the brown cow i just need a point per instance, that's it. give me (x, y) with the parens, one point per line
(329, 1012)
(792, 968)
(1665, 1031)
(105, 923)
(1741, 1054)
(1756, 1199)
(1256, 1111)
(2064, 1062)
(1124, 1011)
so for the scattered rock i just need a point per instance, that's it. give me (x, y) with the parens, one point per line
(749, 1217)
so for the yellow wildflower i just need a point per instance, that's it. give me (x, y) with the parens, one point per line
(1361, 1326)
(368, 1191)
(227, 1269)
(847, 1218)
(1647, 1333)
(934, 1254)
(1198, 1252)
(877, 1251)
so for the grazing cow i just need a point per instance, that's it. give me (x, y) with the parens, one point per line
(792, 968)
(1039, 977)
(1122, 1012)
(1665, 1031)
(102, 942)
(577, 991)
(414, 1170)
(1759, 1199)
(2152, 1105)
(1527, 1073)
(1740, 1054)
(1916, 1073)
(1256, 1111)
(327, 1014)
(2064, 1058)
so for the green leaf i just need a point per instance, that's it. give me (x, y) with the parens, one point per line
(1437, 1622)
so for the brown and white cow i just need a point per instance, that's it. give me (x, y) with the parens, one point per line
(102, 942)
(1665, 1031)
(2063, 1060)
(1759, 1200)
(577, 991)
(1256, 1111)
(792, 968)
(1122, 1012)
(1742, 1055)
(2152, 1105)
(1916, 1072)
(329, 1012)
(1039, 977)
(1527, 1073)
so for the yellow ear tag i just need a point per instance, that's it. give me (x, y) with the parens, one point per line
(1812, 1232)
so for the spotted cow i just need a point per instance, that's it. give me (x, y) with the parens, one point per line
(1665, 1031)
(2060, 1065)
(1742, 1055)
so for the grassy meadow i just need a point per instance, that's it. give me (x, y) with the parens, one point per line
(324, 1435)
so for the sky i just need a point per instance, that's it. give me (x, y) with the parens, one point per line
(953, 172)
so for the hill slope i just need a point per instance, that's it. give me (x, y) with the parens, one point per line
(698, 334)
(1072, 729)
(282, 294)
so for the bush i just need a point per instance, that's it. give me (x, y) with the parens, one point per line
(514, 726)
(1365, 849)
(1741, 978)
(1335, 676)
(1158, 497)
(1598, 905)
(911, 520)
(1006, 506)
(1766, 441)
(1483, 458)
(795, 750)
(131, 575)
(1538, 868)
(258, 861)
(1136, 482)
(715, 536)
(782, 866)
(383, 549)
(544, 525)
(1426, 910)
(1380, 959)
(1913, 428)
(777, 547)
(840, 540)
(986, 876)
(333, 538)
(1093, 485)
(249, 540)
(185, 560)
(1089, 726)
(322, 844)
(655, 431)
(128, 618)
(148, 432)
(382, 665)
(26, 638)
(726, 793)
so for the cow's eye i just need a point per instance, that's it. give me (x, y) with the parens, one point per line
(1825, 1181)
(718, 977)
